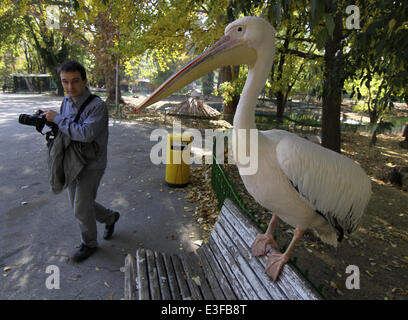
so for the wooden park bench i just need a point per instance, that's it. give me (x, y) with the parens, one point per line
(221, 269)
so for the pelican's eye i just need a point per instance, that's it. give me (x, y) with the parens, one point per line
(239, 29)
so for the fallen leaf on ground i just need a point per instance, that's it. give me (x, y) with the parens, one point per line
(196, 280)
(8, 268)
(198, 243)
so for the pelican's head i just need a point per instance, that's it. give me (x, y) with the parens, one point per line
(245, 41)
(255, 32)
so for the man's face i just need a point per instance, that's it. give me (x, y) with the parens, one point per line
(73, 84)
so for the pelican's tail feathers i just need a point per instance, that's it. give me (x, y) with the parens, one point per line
(325, 231)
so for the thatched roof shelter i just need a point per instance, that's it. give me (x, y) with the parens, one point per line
(193, 107)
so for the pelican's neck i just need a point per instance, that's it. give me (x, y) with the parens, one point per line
(245, 114)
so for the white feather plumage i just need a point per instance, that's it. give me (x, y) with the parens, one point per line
(334, 184)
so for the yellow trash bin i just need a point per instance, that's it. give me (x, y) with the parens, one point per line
(178, 160)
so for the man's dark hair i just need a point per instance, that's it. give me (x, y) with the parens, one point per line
(72, 66)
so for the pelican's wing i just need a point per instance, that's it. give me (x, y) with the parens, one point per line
(333, 183)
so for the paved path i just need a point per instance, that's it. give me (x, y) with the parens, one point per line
(38, 229)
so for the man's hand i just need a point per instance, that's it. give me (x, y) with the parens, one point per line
(49, 115)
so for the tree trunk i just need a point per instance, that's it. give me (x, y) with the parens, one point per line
(280, 105)
(109, 72)
(110, 82)
(106, 60)
(280, 96)
(231, 107)
(332, 87)
(51, 55)
(60, 88)
(373, 117)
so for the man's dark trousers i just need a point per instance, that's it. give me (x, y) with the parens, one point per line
(82, 194)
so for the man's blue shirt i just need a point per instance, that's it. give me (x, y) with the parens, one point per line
(92, 125)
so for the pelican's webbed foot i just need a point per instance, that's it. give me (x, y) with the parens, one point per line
(262, 244)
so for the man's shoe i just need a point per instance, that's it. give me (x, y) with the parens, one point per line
(83, 253)
(110, 228)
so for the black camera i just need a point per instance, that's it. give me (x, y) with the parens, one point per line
(38, 121)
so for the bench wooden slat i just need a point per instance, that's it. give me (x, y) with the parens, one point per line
(163, 277)
(153, 277)
(142, 278)
(245, 241)
(249, 236)
(211, 278)
(290, 281)
(226, 271)
(252, 280)
(235, 269)
(194, 289)
(196, 268)
(171, 274)
(215, 270)
(258, 269)
(242, 263)
(181, 278)
(130, 277)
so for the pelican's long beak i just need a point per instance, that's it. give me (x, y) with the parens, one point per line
(224, 52)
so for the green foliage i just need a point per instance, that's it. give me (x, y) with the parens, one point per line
(12, 30)
(298, 62)
(377, 64)
(230, 89)
(11, 26)
(150, 67)
(372, 95)
(26, 42)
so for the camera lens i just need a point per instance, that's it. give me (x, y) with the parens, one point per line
(31, 120)
(24, 119)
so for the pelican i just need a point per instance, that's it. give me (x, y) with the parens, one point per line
(302, 183)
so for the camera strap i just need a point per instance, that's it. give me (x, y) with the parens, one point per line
(83, 106)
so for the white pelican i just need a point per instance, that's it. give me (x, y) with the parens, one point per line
(302, 183)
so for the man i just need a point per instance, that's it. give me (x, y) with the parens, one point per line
(91, 126)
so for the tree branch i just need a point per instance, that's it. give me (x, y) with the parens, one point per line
(297, 39)
(310, 56)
